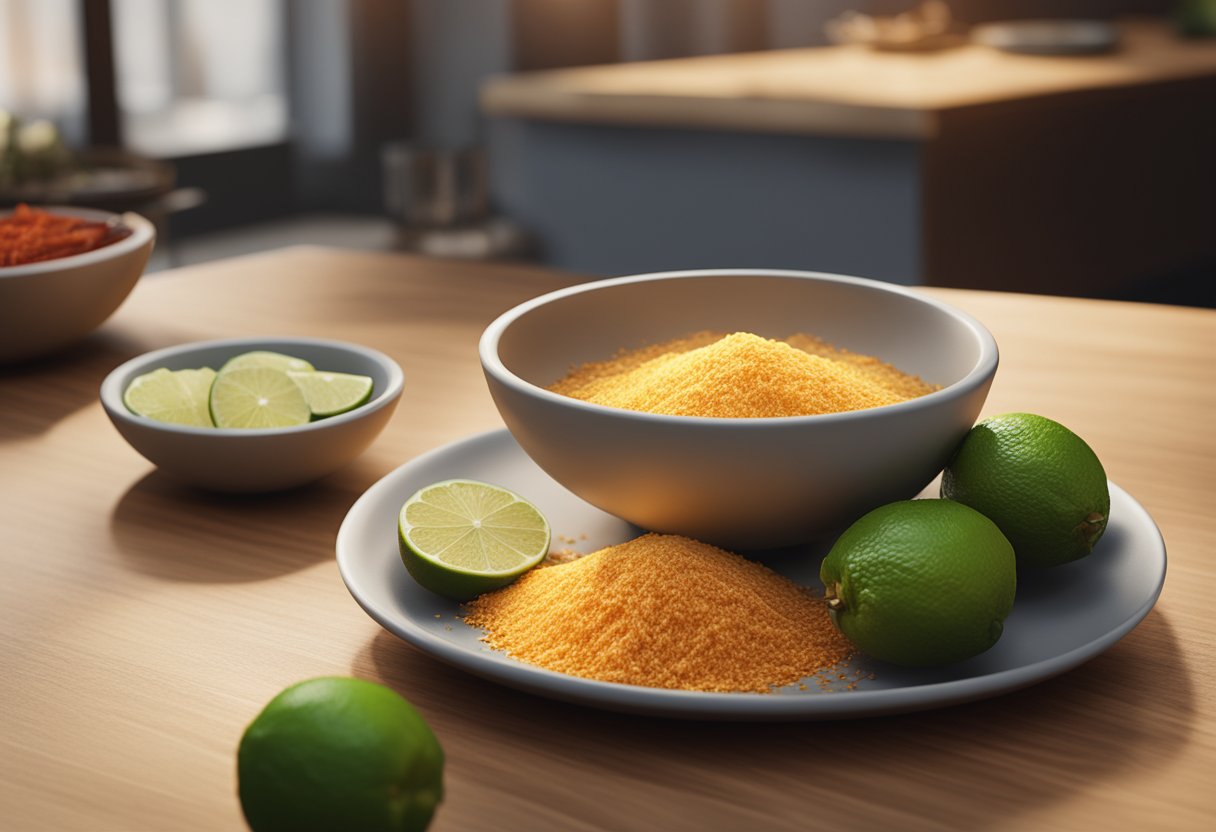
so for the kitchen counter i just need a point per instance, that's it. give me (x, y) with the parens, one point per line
(840, 90)
(971, 168)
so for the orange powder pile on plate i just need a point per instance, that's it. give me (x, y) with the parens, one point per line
(30, 236)
(664, 611)
(741, 376)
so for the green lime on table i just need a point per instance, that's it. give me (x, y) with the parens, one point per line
(329, 394)
(460, 538)
(921, 582)
(175, 396)
(269, 360)
(257, 397)
(1038, 481)
(339, 753)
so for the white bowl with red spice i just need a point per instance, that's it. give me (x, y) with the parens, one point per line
(48, 304)
(739, 482)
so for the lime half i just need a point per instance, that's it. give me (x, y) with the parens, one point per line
(329, 394)
(460, 538)
(175, 396)
(257, 397)
(269, 360)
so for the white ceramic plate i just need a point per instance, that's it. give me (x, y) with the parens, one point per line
(1062, 617)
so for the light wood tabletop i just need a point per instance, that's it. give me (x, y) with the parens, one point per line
(849, 90)
(145, 624)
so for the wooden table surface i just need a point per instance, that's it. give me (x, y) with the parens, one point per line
(144, 624)
(845, 90)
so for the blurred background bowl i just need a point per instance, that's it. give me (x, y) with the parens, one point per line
(239, 460)
(48, 305)
(1049, 37)
(740, 483)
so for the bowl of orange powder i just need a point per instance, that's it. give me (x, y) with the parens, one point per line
(63, 271)
(747, 408)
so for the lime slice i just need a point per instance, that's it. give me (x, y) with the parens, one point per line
(175, 396)
(329, 394)
(257, 397)
(460, 538)
(269, 360)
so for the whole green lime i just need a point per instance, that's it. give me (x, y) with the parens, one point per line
(339, 753)
(1038, 481)
(921, 582)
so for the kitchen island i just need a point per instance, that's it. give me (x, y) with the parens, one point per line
(967, 167)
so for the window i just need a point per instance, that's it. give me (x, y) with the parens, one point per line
(41, 66)
(199, 76)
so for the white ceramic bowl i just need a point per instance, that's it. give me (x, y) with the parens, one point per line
(48, 305)
(740, 483)
(236, 460)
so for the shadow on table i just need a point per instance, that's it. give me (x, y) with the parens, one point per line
(970, 766)
(36, 395)
(176, 532)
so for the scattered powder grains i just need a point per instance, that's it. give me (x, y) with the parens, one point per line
(664, 611)
(741, 375)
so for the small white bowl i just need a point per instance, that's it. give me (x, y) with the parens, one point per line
(48, 305)
(247, 461)
(740, 483)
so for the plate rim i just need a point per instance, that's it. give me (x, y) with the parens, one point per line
(712, 705)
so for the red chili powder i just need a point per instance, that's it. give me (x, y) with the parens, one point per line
(29, 235)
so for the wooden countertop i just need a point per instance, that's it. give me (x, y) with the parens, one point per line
(145, 625)
(837, 90)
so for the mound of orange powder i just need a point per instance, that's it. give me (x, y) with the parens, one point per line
(741, 375)
(664, 611)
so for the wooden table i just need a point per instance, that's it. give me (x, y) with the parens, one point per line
(144, 624)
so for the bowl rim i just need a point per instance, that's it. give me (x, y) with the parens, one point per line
(981, 373)
(142, 232)
(112, 388)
